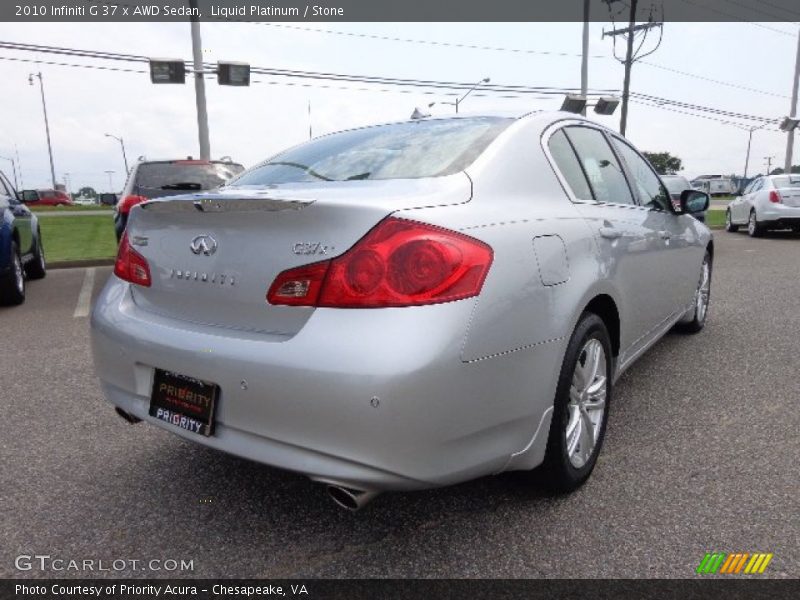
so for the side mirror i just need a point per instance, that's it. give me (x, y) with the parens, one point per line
(29, 196)
(694, 201)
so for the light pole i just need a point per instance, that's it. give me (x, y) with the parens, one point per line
(793, 112)
(460, 100)
(750, 131)
(122, 145)
(13, 169)
(585, 53)
(46, 124)
(200, 87)
(110, 182)
(769, 163)
(67, 183)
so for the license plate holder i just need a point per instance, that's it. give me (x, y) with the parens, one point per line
(184, 402)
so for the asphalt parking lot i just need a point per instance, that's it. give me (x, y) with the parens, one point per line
(701, 455)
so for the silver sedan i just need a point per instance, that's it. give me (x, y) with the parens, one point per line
(406, 305)
(768, 202)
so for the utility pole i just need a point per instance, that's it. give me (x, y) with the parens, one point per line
(629, 32)
(66, 183)
(750, 131)
(200, 87)
(793, 111)
(769, 163)
(46, 125)
(585, 54)
(19, 168)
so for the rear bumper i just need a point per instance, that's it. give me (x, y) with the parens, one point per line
(780, 216)
(371, 399)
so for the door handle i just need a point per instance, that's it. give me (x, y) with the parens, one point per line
(665, 235)
(610, 233)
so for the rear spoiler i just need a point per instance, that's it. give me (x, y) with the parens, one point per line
(216, 203)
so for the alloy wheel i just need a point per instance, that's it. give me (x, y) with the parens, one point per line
(587, 402)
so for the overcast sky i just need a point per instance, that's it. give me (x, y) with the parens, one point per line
(249, 124)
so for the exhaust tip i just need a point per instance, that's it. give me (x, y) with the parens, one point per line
(352, 500)
(127, 416)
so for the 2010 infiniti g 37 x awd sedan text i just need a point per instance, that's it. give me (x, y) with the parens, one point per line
(406, 305)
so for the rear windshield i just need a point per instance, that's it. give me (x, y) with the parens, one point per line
(425, 148)
(786, 181)
(676, 185)
(181, 176)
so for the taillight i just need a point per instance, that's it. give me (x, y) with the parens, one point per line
(128, 202)
(774, 196)
(130, 265)
(398, 263)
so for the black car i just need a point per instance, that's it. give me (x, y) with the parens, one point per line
(150, 179)
(21, 251)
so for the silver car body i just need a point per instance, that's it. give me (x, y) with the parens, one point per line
(393, 398)
(755, 198)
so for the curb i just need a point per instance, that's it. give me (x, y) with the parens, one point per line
(74, 264)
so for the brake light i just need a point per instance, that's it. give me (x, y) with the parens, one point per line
(774, 196)
(398, 263)
(130, 265)
(128, 202)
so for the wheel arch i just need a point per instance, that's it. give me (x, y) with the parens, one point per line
(604, 306)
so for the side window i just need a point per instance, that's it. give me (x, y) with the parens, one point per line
(567, 162)
(600, 165)
(651, 192)
(757, 185)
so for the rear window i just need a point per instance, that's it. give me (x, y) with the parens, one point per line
(425, 148)
(786, 181)
(184, 176)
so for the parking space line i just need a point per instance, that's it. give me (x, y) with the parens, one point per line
(85, 297)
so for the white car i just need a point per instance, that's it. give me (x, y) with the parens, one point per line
(769, 202)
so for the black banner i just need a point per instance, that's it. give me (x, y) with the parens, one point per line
(733, 588)
(395, 11)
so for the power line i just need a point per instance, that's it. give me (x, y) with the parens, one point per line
(760, 11)
(736, 18)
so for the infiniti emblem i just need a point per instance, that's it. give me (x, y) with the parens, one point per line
(203, 244)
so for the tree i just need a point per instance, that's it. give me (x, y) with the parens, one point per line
(87, 192)
(664, 162)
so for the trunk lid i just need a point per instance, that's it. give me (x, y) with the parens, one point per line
(213, 255)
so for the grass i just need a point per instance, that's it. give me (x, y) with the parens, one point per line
(67, 209)
(715, 219)
(81, 237)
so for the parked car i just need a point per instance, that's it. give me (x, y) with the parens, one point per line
(159, 178)
(675, 185)
(107, 199)
(715, 185)
(47, 198)
(407, 305)
(21, 249)
(769, 202)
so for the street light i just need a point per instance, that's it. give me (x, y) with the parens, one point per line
(122, 145)
(13, 169)
(46, 124)
(460, 100)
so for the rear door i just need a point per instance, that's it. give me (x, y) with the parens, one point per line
(625, 233)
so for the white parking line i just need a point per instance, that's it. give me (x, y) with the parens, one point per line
(85, 297)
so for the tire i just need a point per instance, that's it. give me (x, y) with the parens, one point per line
(754, 228)
(12, 284)
(37, 268)
(569, 460)
(702, 299)
(729, 225)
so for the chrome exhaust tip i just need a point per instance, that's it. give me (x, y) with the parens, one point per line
(127, 416)
(349, 499)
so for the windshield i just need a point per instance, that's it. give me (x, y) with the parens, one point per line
(183, 176)
(676, 185)
(786, 181)
(429, 148)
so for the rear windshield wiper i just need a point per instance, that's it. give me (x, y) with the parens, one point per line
(184, 185)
